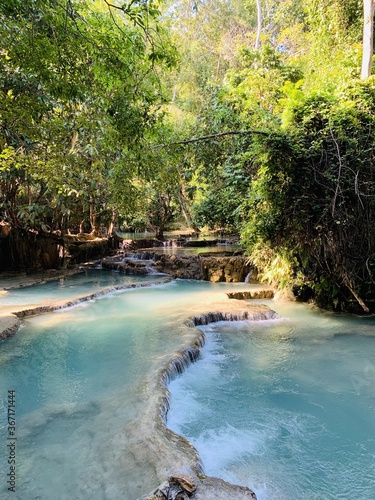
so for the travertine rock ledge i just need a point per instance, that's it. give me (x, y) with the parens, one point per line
(216, 269)
(173, 454)
(10, 322)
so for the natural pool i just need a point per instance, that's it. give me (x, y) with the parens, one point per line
(286, 407)
(82, 378)
(85, 282)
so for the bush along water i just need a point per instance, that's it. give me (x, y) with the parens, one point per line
(311, 204)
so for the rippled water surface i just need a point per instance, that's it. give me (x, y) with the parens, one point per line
(83, 283)
(80, 377)
(287, 407)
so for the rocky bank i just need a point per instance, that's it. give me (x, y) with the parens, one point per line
(230, 269)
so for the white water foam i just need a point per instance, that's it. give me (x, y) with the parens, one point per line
(271, 406)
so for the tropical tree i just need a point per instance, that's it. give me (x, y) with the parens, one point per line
(368, 37)
(79, 88)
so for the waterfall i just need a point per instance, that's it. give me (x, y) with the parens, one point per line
(191, 354)
(140, 256)
(170, 243)
(214, 317)
(180, 364)
(132, 263)
(248, 276)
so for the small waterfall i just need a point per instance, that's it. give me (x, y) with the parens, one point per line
(248, 276)
(132, 263)
(182, 362)
(214, 317)
(140, 256)
(170, 243)
(178, 365)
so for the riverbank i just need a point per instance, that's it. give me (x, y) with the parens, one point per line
(182, 457)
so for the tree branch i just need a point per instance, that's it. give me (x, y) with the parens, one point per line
(213, 136)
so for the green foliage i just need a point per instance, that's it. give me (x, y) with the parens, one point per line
(277, 267)
(79, 88)
(314, 189)
(89, 104)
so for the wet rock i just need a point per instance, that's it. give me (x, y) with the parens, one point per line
(213, 488)
(247, 294)
(200, 243)
(178, 487)
(184, 481)
(9, 324)
(180, 266)
(128, 265)
(207, 488)
(141, 243)
(82, 251)
(231, 269)
(225, 269)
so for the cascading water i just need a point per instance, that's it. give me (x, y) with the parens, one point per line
(84, 282)
(83, 376)
(285, 407)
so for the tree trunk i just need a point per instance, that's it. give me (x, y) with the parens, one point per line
(111, 227)
(185, 210)
(368, 37)
(93, 220)
(259, 25)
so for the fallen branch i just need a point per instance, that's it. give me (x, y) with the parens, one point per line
(358, 298)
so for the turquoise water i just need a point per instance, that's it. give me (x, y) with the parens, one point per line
(286, 407)
(83, 283)
(81, 378)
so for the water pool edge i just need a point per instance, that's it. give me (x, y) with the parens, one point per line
(10, 320)
(150, 437)
(183, 455)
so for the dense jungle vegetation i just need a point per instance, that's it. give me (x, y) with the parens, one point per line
(254, 117)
